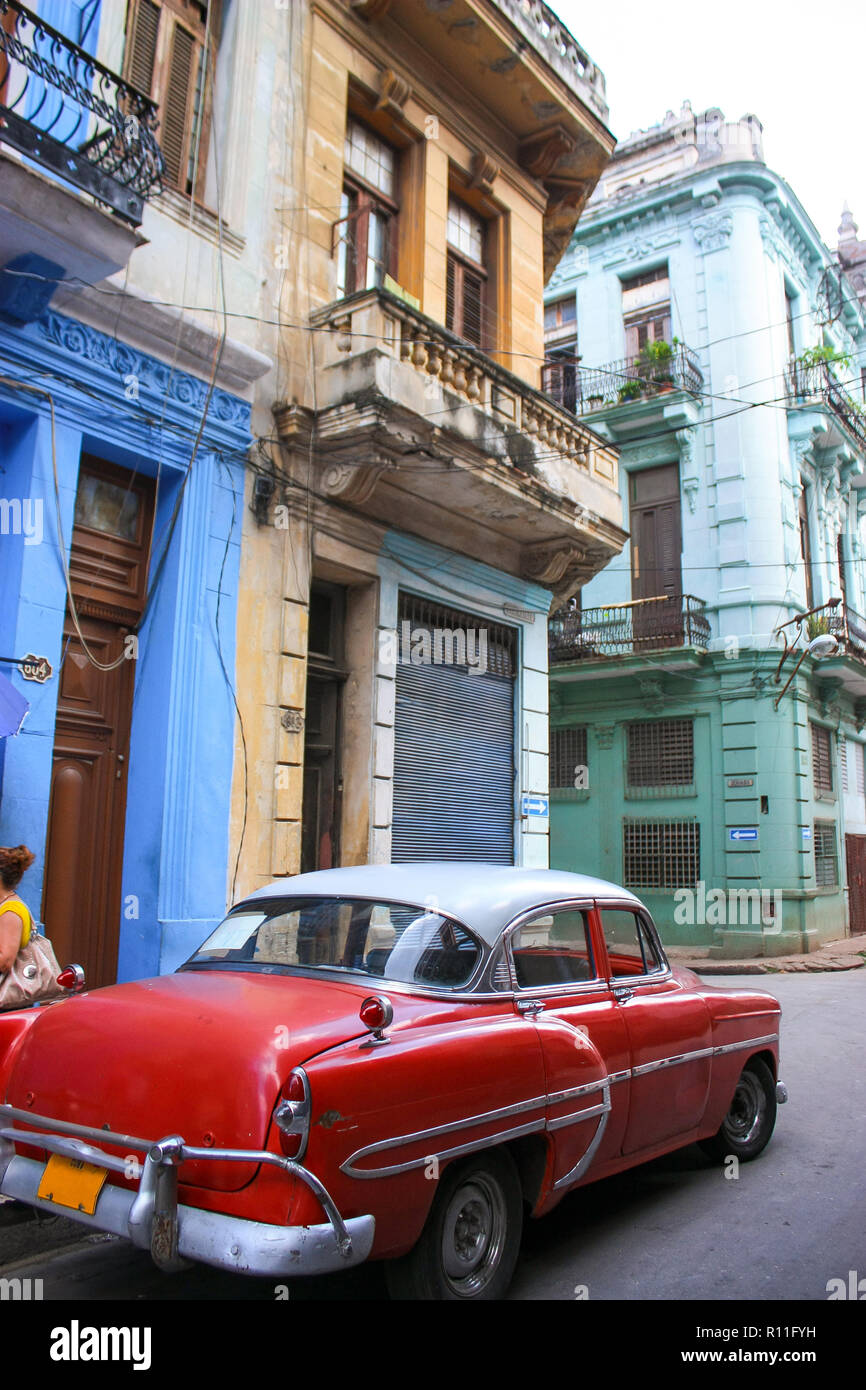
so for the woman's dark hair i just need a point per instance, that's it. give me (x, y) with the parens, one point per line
(13, 863)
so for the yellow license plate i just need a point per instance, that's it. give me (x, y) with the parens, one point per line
(70, 1182)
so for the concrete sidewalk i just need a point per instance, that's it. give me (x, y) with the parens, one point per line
(847, 954)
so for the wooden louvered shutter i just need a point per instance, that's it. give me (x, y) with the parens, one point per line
(450, 277)
(177, 105)
(464, 301)
(141, 54)
(473, 307)
(165, 59)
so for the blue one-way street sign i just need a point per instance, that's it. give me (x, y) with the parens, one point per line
(743, 832)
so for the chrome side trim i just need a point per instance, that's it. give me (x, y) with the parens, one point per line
(487, 1117)
(577, 1115)
(556, 1097)
(472, 1146)
(674, 1061)
(349, 1167)
(740, 1046)
(583, 1163)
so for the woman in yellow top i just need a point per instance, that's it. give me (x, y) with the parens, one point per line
(15, 919)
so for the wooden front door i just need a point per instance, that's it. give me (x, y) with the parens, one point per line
(81, 904)
(855, 857)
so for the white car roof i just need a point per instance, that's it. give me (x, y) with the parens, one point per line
(486, 897)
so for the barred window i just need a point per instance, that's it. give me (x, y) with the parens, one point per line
(661, 853)
(843, 763)
(822, 760)
(568, 758)
(826, 863)
(661, 753)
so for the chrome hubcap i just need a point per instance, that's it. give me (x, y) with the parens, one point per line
(473, 1235)
(746, 1114)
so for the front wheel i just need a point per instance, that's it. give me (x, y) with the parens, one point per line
(745, 1131)
(469, 1246)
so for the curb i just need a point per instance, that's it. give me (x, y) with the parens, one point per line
(800, 966)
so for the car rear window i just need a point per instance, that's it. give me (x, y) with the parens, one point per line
(391, 941)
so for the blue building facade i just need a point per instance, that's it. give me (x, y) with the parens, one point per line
(701, 324)
(112, 403)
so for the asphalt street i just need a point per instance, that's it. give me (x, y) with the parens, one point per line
(674, 1229)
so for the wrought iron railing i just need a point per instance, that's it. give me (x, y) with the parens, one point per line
(584, 389)
(627, 629)
(814, 381)
(841, 622)
(74, 117)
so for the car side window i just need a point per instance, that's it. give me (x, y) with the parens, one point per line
(630, 948)
(553, 949)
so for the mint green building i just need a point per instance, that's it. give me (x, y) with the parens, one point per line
(699, 322)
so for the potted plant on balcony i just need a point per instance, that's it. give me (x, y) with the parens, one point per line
(822, 352)
(629, 391)
(817, 624)
(656, 363)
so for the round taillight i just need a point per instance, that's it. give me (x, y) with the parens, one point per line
(71, 978)
(376, 1013)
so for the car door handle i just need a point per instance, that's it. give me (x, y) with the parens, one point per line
(530, 1006)
(623, 994)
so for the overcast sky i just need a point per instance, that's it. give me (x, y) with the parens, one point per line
(798, 67)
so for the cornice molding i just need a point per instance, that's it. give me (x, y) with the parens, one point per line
(101, 384)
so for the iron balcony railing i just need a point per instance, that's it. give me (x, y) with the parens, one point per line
(843, 623)
(806, 383)
(74, 117)
(628, 629)
(584, 389)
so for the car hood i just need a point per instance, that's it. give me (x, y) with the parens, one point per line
(203, 1054)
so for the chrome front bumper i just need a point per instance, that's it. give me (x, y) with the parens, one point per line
(154, 1220)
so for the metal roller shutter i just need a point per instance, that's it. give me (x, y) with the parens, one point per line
(454, 748)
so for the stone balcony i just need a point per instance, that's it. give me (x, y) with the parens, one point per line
(421, 431)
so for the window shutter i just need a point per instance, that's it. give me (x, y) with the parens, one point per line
(822, 764)
(177, 101)
(450, 276)
(142, 48)
(473, 305)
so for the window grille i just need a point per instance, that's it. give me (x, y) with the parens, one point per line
(661, 753)
(826, 864)
(822, 763)
(662, 854)
(567, 758)
(843, 763)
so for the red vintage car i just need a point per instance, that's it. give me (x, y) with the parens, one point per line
(394, 1063)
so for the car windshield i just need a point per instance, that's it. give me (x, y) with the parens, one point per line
(392, 941)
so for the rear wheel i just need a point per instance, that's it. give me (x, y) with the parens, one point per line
(469, 1246)
(750, 1121)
